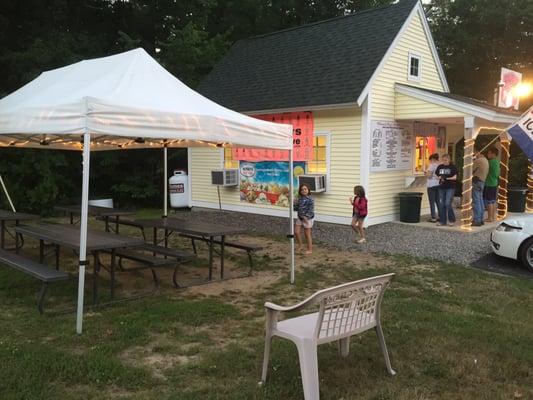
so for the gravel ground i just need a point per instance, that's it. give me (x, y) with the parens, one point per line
(391, 238)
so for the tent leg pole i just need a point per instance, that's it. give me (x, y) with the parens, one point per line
(165, 178)
(7, 194)
(291, 211)
(83, 229)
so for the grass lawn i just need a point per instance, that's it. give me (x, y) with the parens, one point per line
(452, 332)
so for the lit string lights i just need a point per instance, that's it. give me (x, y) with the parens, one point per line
(529, 202)
(504, 174)
(466, 204)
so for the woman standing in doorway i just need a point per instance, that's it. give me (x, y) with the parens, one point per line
(447, 173)
(433, 187)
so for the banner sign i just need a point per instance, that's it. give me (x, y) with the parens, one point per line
(507, 95)
(267, 182)
(522, 133)
(392, 145)
(302, 134)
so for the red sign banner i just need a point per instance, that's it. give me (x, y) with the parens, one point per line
(302, 139)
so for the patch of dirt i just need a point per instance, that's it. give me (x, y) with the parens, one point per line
(158, 361)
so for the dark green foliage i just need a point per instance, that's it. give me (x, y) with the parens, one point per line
(38, 180)
(476, 38)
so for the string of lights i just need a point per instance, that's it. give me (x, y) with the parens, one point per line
(529, 202)
(504, 174)
(466, 206)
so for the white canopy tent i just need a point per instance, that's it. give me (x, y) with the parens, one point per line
(125, 101)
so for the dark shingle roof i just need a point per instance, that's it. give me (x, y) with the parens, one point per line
(327, 62)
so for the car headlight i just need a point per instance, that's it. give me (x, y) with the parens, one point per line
(503, 227)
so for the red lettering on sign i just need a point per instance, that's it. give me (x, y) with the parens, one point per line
(302, 132)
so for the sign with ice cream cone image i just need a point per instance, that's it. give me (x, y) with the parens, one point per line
(267, 182)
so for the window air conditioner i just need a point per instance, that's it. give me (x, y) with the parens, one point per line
(225, 177)
(316, 182)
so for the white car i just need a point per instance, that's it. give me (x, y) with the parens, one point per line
(513, 238)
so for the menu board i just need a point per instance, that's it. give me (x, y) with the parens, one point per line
(392, 145)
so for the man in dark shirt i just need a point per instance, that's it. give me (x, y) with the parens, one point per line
(447, 173)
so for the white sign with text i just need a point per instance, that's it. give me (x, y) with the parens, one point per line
(392, 146)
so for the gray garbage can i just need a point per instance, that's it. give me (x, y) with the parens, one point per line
(410, 206)
(516, 199)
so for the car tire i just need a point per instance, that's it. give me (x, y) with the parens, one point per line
(526, 254)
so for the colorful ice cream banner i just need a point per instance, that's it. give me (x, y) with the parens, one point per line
(267, 182)
(302, 132)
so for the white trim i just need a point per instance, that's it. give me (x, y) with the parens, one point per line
(271, 212)
(189, 176)
(327, 134)
(331, 219)
(414, 55)
(301, 108)
(456, 105)
(415, 11)
(364, 159)
(433, 48)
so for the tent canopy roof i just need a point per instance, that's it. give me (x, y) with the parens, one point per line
(120, 99)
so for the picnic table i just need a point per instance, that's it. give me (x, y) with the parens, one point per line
(10, 216)
(68, 236)
(106, 213)
(208, 231)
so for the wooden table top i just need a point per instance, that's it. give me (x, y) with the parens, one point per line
(95, 210)
(69, 236)
(190, 227)
(6, 215)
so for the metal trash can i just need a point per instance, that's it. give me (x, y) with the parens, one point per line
(516, 200)
(410, 206)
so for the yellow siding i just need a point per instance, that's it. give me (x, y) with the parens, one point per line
(385, 186)
(395, 70)
(344, 127)
(407, 107)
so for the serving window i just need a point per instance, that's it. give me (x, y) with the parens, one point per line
(429, 139)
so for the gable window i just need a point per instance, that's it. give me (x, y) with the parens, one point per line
(415, 64)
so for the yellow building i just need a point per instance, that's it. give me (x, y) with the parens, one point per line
(379, 100)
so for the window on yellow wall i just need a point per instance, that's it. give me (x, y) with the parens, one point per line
(229, 162)
(318, 165)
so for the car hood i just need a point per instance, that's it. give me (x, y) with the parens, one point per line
(524, 221)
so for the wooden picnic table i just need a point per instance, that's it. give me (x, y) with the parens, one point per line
(104, 212)
(68, 236)
(10, 216)
(205, 230)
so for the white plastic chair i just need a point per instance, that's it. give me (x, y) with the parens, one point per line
(344, 311)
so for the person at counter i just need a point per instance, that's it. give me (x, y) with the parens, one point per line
(433, 186)
(447, 173)
(479, 175)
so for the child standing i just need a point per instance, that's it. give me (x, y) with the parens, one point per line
(359, 212)
(305, 206)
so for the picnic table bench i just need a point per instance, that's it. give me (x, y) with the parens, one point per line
(138, 254)
(248, 247)
(37, 270)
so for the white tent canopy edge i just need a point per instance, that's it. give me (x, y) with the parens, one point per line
(126, 101)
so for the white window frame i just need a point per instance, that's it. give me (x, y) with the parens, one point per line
(328, 156)
(414, 55)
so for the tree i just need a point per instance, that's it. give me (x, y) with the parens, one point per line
(475, 38)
